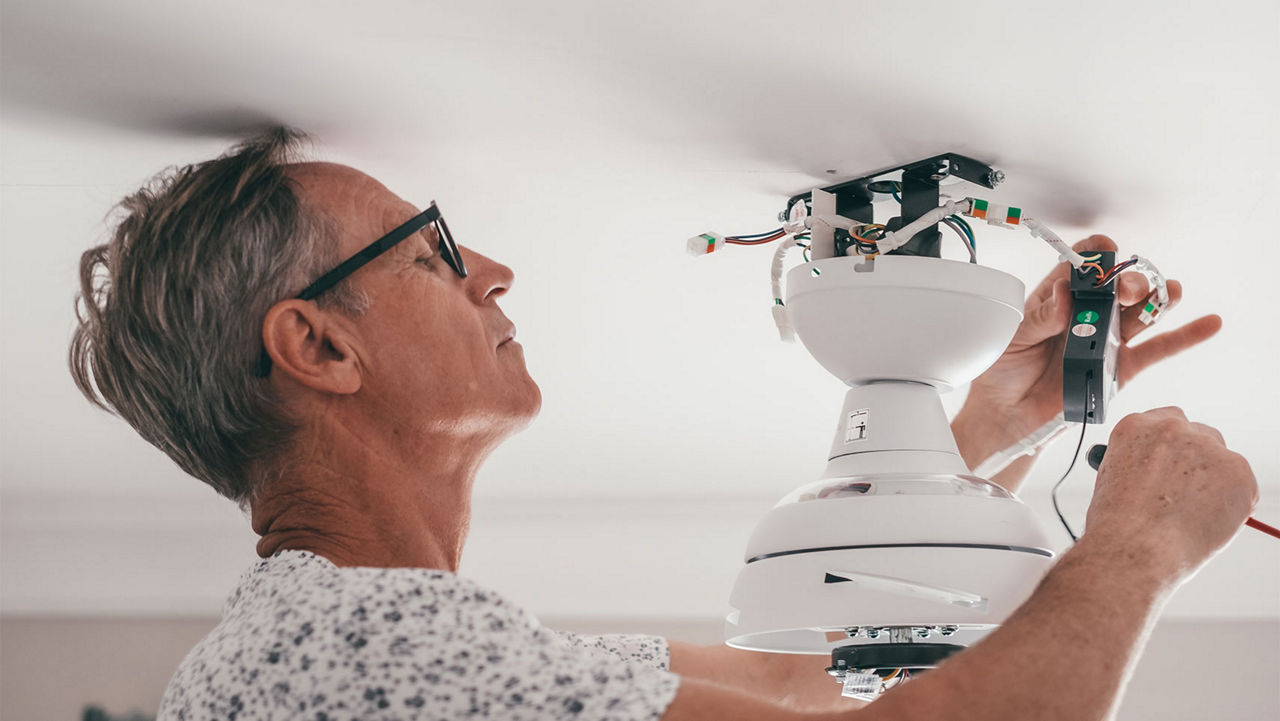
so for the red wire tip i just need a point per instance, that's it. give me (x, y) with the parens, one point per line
(1269, 530)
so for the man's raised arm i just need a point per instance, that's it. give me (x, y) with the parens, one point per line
(1169, 496)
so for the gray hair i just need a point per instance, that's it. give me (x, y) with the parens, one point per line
(171, 308)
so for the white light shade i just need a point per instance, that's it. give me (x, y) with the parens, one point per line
(911, 551)
(897, 533)
(928, 320)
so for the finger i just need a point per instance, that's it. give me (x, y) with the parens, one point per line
(1130, 317)
(1045, 318)
(1096, 241)
(1134, 359)
(1042, 292)
(1062, 270)
(1209, 430)
(1132, 288)
(1166, 411)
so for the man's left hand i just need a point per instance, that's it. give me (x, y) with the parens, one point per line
(1023, 389)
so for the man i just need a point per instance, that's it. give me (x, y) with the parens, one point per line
(346, 391)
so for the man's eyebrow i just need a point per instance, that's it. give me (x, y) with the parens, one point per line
(409, 243)
(428, 237)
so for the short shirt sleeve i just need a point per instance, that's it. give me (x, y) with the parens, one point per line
(651, 651)
(469, 653)
(581, 680)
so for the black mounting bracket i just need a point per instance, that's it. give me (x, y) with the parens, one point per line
(919, 196)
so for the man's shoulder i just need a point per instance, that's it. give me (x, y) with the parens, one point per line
(296, 624)
(300, 637)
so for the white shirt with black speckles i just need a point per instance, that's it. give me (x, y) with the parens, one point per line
(301, 638)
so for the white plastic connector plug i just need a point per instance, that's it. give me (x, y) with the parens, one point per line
(862, 686)
(1159, 298)
(1002, 216)
(705, 243)
(785, 331)
(796, 219)
(1151, 310)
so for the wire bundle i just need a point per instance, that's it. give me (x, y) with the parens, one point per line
(865, 238)
(954, 222)
(1106, 276)
(756, 239)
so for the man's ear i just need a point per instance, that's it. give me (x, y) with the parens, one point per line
(313, 347)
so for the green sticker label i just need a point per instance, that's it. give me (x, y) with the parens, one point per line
(1087, 316)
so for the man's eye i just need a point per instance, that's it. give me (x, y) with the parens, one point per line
(428, 261)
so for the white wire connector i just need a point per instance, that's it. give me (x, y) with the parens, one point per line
(785, 331)
(705, 243)
(1004, 216)
(797, 218)
(1065, 253)
(1026, 447)
(1159, 298)
(862, 686)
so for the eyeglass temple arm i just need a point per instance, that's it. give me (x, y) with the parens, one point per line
(369, 252)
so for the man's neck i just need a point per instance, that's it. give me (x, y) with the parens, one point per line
(357, 505)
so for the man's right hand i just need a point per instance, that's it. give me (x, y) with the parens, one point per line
(1169, 495)
(1172, 489)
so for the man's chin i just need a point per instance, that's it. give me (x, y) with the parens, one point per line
(526, 404)
(534, 405)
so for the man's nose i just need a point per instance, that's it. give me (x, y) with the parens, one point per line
(486, 277)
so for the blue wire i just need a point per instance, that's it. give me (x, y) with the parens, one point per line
(756, 235)
(967, 230)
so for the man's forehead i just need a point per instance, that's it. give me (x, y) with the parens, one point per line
(364, 206)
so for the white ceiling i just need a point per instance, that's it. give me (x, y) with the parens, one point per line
(582, 143)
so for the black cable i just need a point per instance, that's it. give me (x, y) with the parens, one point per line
(755, 236)
(1054, 493)
(1115, 272)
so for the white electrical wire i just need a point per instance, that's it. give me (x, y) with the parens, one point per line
(1065, 253)
(1154, 277)
(833, 221)
(1025, 447)
(780, 319)
(892, 241)
(798, 219)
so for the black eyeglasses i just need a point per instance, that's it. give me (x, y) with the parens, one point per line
(446, 247)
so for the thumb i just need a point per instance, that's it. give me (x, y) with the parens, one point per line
(1050, 317)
